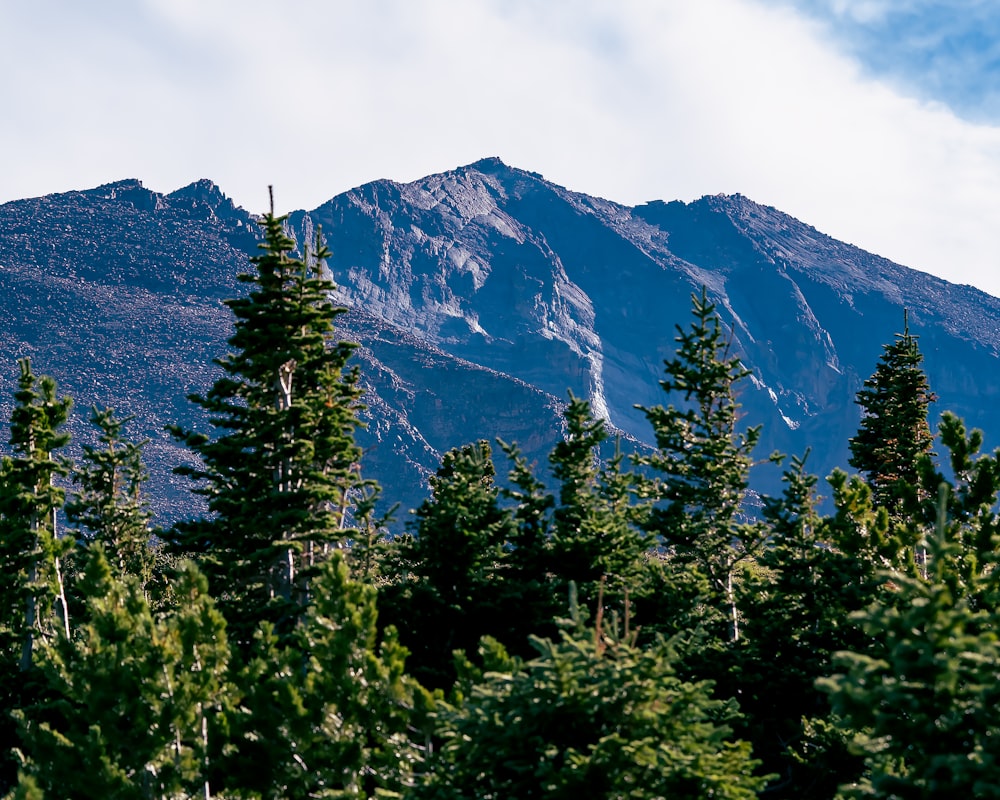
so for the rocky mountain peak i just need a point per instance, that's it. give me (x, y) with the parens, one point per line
(130, 191)
(487, 164)
(206, 194)
(479, 297)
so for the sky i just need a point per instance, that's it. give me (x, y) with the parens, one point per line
(876, 121)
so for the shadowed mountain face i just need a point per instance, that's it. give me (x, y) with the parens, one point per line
(561, 290)
(479, 297)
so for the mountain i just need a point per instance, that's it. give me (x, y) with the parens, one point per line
(479, 298)
(499, 267)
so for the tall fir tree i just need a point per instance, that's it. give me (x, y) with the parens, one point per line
(528, 563)
(924, 711)
(282, 473)
(448, 586)
(701, 466)
(595, 542)
(799, 601)
(31, 548)
(33, 602)
(894, 433)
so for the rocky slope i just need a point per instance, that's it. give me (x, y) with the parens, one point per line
(564, 291)
(480, 297)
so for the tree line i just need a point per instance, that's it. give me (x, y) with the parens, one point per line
(607, 625)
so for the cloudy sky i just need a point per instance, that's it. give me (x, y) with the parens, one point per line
(877, 121)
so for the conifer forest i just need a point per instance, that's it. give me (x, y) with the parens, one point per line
(607, 625)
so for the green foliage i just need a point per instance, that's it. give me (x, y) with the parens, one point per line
(33, 601)
(594, 541)
(528, 562)
(327, 714)
(462, 530)
(448, 588)
(589, 716)
(131, 698)
(974, 490)
(27, 789)
(925, 713)
(31, 550)
(109, 504)
(798, 614)
(894, 433)
(701, 467)
(316, 696)
(282, 474)
(476, 566)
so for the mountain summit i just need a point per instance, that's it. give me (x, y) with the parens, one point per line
(480, 296)
(499, 267)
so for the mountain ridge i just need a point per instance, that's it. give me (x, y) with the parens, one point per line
(479, 297)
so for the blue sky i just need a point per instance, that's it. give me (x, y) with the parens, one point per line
(877, 122)
(948, 52)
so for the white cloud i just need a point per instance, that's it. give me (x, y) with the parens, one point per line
(631, 100)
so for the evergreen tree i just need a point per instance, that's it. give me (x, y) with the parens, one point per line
(109, 503)
(130, 701)
(328, 713)
(33, 600)
(31, 550)
(595, 543)
(528, 558)
(894, 433)
(590, 716)
(799, 600)
(921, 707)
(924, 712)
(282, 473)
(701, 466)
(449, 588)
(973, 496)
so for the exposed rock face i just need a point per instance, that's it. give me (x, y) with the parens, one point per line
(117, 292)
(561, 290)
(479, 297)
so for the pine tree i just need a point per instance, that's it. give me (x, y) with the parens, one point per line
(33, 601)
(701, 465)
(109, 503)
(595, 543)
(532, 600)
(799, 601)
(282, 473)
(924, 712)
(921, 706)
(31, 549)
(974, 481)
(894, 433)
(327, 713)
(449, 589)
(590, 716)
(129, 703)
